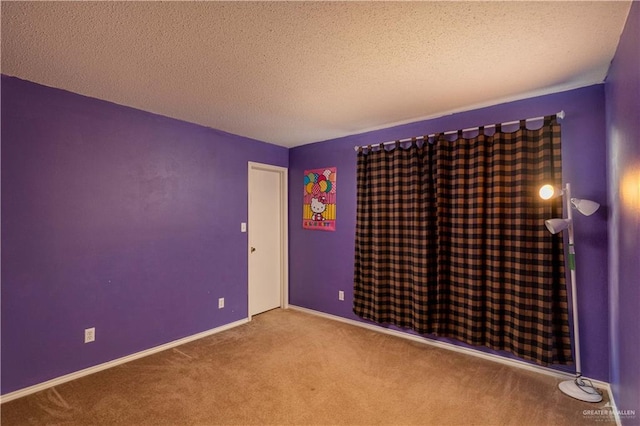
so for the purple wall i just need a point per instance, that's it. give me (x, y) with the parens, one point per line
(623, 128)
(117, 219)
(322, 262)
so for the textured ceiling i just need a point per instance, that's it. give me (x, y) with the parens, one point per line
(292, 73)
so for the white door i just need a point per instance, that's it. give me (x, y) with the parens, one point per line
(267, 245)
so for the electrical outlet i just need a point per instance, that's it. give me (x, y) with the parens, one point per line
(89, 334)
(341, 295)
(221, 303)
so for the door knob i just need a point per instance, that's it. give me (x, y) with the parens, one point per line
(253, 249)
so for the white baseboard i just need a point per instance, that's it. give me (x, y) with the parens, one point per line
(444, 345)
(81, 373)
(613, 407)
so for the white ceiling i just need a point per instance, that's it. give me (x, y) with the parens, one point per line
(292, 73)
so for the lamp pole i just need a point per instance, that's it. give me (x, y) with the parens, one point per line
(572, 272)
(578, 388)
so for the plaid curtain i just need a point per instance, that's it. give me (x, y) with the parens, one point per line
(450, 241)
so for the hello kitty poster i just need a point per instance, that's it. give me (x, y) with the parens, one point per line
(319, 202)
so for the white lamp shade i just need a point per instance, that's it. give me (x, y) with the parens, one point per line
(556, 225)
(586, 207)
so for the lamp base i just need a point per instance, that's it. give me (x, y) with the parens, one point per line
(579, 389)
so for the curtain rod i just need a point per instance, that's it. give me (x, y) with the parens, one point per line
(560, 115)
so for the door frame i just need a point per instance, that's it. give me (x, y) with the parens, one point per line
(284, 231)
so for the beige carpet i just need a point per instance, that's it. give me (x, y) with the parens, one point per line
(289, 367)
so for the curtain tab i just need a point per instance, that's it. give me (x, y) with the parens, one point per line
(549, 120)
(523, 124)
(481, 131)
(499, 128)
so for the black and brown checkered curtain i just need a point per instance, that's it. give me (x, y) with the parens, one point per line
(450, 241)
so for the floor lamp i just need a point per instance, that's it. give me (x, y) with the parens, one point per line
(578, 388)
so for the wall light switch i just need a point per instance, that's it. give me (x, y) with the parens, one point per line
(243, 227)
(221, 303)
(341, 295)
(89, 334)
